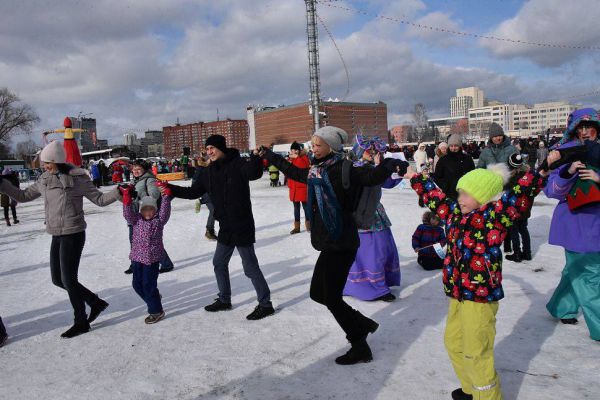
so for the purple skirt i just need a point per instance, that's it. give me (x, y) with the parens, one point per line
(376, 268)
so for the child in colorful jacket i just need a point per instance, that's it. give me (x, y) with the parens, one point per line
(147, 246)
(426, 235)
(476, 224)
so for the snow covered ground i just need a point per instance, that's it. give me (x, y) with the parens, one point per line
(196, 355)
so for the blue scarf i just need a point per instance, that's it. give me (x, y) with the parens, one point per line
(320, 189)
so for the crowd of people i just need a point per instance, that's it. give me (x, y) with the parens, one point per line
(474, 209)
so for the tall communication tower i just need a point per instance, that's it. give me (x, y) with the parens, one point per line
(313, 58)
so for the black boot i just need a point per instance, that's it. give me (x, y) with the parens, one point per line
(526, 256)
(360, 352)
(515, 257)
(76, 330)
(260, 312)
(366, 323)
(96, 308)
(388, 298)
(569, 321)
(129, 270)
(218, 305)
(458, 394)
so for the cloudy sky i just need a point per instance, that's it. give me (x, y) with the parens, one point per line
(141, 64)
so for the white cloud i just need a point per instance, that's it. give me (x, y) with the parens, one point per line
(437, 38)
(548, 21)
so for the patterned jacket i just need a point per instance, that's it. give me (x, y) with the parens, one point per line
(473, 263)
(147, 243)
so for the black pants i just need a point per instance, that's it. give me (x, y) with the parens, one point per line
(430, 263)
(65, 253)
(327, 286)
(14, 212)
(2, 329)
(297, 210)
(520, 228)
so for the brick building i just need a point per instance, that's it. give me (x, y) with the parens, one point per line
(280, 125)
(193, 136)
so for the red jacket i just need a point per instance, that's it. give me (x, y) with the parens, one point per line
(298, 190)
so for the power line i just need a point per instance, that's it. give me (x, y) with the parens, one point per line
(328, 3)
(341, 57)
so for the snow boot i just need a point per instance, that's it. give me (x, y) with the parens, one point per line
(162, 270)
(210, 234)
(76, 330)
(388, 298)
(96, 308)
(458, 394)
(218, 305)
(569, 321)
(360, 352)
(526, 256)
(515, 257)
(307, 225)
(296, 228)
(129, 270)
(154, 318)
(7, 221)
(260, 312)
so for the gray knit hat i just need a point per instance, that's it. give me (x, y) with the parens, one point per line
(54, 152)
(335, 137)
(147, 201)
(496, 130)
(454, 140)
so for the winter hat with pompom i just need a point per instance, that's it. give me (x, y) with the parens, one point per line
(485, 185)
(54, 152)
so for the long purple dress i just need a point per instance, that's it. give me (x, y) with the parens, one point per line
(377, 265)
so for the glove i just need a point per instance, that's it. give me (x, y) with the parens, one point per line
(394, 165)
(164, 188)
(126, 192)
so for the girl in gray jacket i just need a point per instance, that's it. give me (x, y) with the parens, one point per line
(63, 187)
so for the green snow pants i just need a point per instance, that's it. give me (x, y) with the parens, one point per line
(579, 287)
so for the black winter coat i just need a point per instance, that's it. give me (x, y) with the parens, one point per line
(449, 169)
(348, 199)
(227, 182)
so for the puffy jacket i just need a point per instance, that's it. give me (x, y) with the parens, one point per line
(450, 169)
(347, 199)
(63, 198)
(227, 182)
(473, 263)
(147, 239)
(496, 153)
(298, 190)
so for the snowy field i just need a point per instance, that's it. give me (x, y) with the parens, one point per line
(196, 355)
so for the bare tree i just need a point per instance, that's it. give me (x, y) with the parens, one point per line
(26, 148)
(419, 115)
(15, 116)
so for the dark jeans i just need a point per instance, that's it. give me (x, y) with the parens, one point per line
(252, 270)
(145, 284)
(14, 212)
(327, 286)
(65, 253)
(520, 228)
(210, 222)
(430, 263)
(297, 211)
(165, 261)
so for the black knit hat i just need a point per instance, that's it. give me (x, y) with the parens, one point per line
(141, 163)
(515, 161)
(296, 146)
(217, 141)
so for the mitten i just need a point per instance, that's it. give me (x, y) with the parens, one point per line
(126, 191)
(164, 188)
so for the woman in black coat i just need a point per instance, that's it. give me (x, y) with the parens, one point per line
(334, 232)
(452, 167)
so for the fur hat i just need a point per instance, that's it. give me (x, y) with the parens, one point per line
(335, 137)
(148, 201)
(454, 140)
(217, 141)
(54, 152)
(296, 146)
(485, 185)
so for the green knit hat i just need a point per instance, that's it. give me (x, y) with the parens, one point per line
(484, 185)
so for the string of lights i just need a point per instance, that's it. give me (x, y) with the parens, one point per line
(333, 4)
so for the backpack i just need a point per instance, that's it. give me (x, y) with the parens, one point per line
(365, 201)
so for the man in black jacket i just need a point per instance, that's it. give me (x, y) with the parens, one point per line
(226, 180)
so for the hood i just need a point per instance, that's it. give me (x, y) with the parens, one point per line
(505, 143)
(577, 116)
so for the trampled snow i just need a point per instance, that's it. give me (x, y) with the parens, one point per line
(193, 354)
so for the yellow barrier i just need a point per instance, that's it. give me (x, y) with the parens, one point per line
(173, 176)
